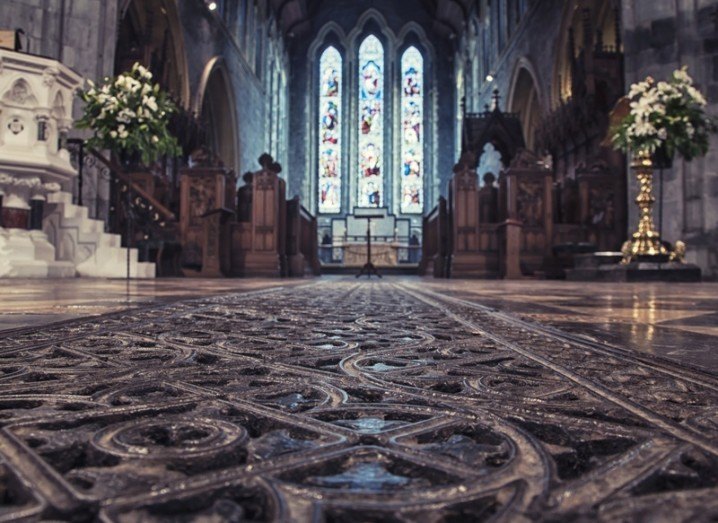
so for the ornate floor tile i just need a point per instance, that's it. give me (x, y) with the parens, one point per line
(340, 401)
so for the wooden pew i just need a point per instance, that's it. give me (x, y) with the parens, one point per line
(302, 241)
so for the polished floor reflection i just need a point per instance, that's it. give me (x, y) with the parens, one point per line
(676, 321)
(27, 303)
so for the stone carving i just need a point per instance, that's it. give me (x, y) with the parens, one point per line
(49, 76)
(16, 126)
(20, 92)
(398, 404)
(19, 191)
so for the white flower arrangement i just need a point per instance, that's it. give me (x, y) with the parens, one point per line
(669, 115)
(129, 114)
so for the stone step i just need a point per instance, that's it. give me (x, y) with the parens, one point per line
(84, 242)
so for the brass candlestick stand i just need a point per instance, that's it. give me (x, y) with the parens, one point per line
(646, 243)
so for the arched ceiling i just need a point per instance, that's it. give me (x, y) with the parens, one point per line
(295, 16)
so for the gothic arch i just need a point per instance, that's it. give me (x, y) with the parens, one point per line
(330, 32)
(58, 106)
(526, 99)
(151, 33)
(603, 16)
(331, 35)
(215, 103)
(372, 22)
(385, 34)
(413, 35)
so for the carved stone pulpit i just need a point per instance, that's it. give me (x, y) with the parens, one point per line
(36, 101)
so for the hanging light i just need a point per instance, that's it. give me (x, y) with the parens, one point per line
(212, 6)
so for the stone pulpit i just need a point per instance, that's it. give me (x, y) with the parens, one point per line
(36, 101)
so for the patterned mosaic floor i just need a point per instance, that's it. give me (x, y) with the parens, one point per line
(339, 402)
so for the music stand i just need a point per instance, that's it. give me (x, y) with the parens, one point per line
(369, 267)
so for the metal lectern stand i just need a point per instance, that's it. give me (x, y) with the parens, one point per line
(369, 268)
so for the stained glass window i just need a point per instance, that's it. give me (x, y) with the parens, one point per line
(371, 123)
(412, 138)
(330, 132)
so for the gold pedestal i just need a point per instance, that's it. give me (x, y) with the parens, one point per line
(646, 242)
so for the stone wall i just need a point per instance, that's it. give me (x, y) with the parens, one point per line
(210, 34)
(83, 39)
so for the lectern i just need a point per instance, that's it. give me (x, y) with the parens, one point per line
(369, 267)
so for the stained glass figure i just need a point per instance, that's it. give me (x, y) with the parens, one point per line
(330, 132)
(371, 123)
(412, 141)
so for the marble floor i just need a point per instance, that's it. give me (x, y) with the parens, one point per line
(339, 400)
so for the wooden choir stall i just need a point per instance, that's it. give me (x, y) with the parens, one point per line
(254, 231)
(513, 230)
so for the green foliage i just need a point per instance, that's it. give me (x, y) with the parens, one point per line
(129, 114)
(670, 114)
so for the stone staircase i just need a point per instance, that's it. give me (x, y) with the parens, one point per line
(29, 254)
(83, 241)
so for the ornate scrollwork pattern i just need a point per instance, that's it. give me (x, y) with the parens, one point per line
(339, 401)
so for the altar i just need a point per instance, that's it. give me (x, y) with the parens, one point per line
(382, 254)
(394, 241)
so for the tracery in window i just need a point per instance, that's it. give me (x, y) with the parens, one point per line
(330, 132)
(371, 123)
(412, 138)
